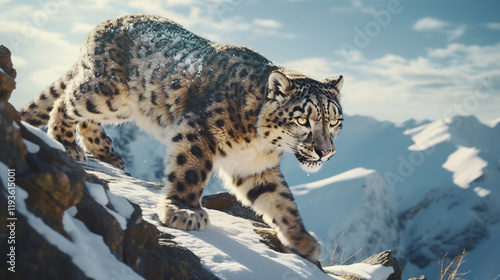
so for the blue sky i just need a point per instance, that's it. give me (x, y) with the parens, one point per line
(401, 59)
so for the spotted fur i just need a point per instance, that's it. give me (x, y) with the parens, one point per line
(217, 107)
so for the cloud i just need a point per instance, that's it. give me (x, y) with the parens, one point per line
(99, 4)
(270, 27)
(493, 26)
(430, 24)
(354, 6)
(269, 23)
(211, 18)
(81, 27)
(19, 62)
(456, 32)
(316, 67)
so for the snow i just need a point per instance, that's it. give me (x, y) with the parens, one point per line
(229, 248)
(72, 211)
(121, 205)
(355, 173)
(362, 270)
(98, 193)
(31, 147)
(86, 249)
(482, 192)
(428, 135)
(42, 135)
(466, 166)
(492, 123)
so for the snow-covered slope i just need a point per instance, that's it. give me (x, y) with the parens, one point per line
(423, 189)
(229, 248)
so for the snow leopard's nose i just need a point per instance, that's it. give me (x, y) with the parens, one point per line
(324, 153)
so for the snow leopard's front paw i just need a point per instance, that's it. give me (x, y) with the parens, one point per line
(76, 152)
(112, 158)
(305, 245)
(174, 215)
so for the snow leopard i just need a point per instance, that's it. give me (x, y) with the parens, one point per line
(218, 107)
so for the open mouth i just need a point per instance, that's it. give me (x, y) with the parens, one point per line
(307, 164)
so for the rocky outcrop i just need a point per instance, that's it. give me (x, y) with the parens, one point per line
(383, 259)
(54, 183)
(386, 259)
(7, 74)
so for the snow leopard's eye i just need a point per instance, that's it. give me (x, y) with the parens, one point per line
(303, 121)
(335, 122)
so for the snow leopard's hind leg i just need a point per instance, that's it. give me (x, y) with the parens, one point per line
(188, 165)
(95, 140)
(62, 128)
(82, 115)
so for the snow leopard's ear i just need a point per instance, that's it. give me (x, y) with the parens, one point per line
(335, 84)
(278, 85)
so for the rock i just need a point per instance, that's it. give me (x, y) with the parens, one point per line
(36, 258)
(48, 199)
(384, 258)
(7, 74)
(227, 203)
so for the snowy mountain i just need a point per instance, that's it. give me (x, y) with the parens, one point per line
(422, 189)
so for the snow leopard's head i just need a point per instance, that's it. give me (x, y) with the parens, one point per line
(303, 116)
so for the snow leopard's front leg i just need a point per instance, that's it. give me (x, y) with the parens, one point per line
(269, 195)
(188, 166)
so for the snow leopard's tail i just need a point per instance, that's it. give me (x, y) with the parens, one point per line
(37, 112)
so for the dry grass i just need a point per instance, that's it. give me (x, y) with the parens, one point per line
(449, 271)
(342, 261)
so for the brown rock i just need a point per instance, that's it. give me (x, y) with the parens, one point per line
(384, 258)
(7, 74)
(227, 203)
(35, 257)
(270, 238)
